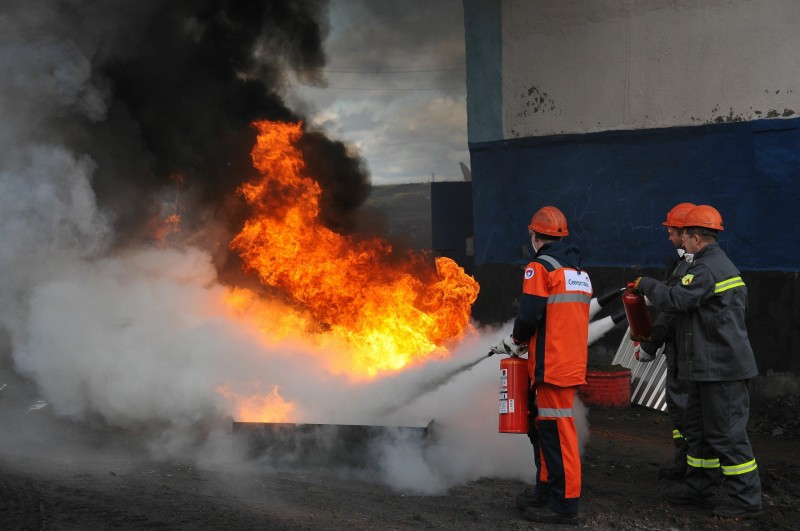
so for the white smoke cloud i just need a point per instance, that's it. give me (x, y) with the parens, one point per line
(142, 337)
(47, 76)
(49, 219)
(466, 444)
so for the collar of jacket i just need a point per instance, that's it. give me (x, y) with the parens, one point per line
(566, 253)
(708, 248)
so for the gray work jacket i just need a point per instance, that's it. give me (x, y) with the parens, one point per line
(710, 333)
(664, 326)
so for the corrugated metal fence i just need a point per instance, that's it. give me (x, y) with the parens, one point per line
(648, 380)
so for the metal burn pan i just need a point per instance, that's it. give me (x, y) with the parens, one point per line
(322, 445)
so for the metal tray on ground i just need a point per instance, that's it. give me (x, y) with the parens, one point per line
(317, 445)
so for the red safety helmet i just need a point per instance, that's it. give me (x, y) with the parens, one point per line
(704, 216)
(676, 216)
(549, 221)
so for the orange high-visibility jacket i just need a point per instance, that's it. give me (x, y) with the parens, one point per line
(554, 316)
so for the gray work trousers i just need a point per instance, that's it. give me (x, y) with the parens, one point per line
(715, 424)
(677, 398)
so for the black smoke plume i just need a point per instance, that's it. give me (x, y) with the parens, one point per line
(183, 80)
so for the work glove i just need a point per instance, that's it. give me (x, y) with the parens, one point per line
(641, 354)
(508, 347)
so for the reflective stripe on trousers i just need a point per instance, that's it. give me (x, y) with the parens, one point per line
(555, 413)
(702, 463)
(733, 470)
(716, 425)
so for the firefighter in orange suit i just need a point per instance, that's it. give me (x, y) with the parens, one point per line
(553, 323)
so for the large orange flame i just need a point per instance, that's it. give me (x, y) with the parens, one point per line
(377, 312)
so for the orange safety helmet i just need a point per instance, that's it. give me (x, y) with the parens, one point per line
(549, 221)
(678, 213)
(704, 216)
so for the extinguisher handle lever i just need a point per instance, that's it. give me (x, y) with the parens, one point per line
(511, 355)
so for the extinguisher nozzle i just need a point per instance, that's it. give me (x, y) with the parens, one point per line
(608, 297)
(618, 318)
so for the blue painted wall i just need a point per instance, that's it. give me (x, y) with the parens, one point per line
(616, 188)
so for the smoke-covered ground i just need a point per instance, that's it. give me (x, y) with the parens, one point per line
(59, 474)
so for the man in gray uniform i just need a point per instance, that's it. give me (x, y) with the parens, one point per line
(663, 333)
(714, 355)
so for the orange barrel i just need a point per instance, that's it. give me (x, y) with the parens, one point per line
(514, 384)
(638, 314)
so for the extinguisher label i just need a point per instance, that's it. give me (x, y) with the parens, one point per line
(511, 406)
(503, 391)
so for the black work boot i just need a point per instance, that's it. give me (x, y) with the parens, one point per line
(528, 498)
(730, 510)
(687, 497)
(545, 515)
(672, 474)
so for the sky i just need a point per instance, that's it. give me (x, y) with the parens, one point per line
(395, 87)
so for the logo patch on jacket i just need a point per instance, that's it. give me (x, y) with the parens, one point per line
(687, 279)
(528, 273)
(577, 281)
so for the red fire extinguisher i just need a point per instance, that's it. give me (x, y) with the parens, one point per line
(514, 384)
(639, 318)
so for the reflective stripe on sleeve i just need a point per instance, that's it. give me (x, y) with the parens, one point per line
(725, 285)
(676, 434)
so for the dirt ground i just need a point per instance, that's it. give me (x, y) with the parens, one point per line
(83, 476)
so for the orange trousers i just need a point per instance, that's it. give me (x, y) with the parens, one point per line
(555, 443)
